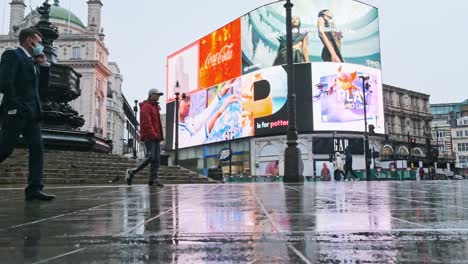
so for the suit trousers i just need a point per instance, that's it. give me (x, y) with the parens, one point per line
(12, 127)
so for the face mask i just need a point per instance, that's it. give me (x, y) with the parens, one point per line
(37, 49)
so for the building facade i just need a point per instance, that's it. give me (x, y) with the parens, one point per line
(80, 46)
(132, 146)
(450, 131)
(406, 113)
(116, 120)
(407, 116)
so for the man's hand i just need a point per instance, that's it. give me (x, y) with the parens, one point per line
(40, 59)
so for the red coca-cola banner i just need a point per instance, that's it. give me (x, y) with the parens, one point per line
(220, 55)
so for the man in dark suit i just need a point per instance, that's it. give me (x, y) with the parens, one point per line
(21, 114)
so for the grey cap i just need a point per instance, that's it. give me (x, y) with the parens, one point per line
(154, 91)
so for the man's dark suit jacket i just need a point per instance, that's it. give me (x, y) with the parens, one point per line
(19, 81)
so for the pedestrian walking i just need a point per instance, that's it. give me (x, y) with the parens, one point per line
(348, 166)
(151, 133)
(339, 167)
(20, 109)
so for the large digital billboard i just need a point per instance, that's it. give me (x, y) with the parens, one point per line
(233, 109)
(182, 66)
(235, 78)
(323, 31)
(338, 97)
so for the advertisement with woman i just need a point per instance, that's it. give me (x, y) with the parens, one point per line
(323, 31)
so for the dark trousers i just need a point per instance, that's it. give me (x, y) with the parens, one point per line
(152, 156)
(12, 127)
(347, 169)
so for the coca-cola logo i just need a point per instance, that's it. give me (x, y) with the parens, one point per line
(223, 55)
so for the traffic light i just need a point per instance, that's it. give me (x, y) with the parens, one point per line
(371, 130)
(376, 154)
(412, 142)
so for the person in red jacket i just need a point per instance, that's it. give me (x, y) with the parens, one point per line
(151, 134)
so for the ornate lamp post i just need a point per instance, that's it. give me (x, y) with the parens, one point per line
(176, 140)
(135, 109)
(366, 136)
(229, 136)
(292, 153)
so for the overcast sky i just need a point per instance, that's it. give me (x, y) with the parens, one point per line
(424, 43)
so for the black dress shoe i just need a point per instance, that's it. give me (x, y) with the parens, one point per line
(151, 182)
(39, 195)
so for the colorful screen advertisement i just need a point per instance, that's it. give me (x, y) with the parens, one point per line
(220, 55)
(323, 31)
(338, 97)
(236, 83)
(232, 109)
(182, 66)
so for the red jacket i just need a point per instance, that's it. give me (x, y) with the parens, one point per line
(150, 121)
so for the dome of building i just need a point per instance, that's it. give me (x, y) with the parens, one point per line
(59, 13)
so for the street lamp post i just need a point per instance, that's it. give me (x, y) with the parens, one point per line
(366, 136)
(437, 144)
(135, 109)
(229, 136)
(176, 141)
(292, 152)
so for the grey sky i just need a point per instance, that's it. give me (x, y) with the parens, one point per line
(424, 43)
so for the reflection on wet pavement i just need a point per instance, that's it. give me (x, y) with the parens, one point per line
(344, 222)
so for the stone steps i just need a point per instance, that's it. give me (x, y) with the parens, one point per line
(88, 181)
(95, 169)
(63, 167)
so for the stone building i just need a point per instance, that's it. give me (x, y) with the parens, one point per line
(80, 46)
(115, 119)
(450, 132)
(407, 115)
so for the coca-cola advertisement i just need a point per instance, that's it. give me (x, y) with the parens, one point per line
(182, 67)
(322, 31)
(220, 55)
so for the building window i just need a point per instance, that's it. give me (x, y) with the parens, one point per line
(459, 133)
(108, 125)
(463, 147)
(463, 161)
(76, 53)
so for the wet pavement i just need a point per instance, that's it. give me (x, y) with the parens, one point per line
(344, 222)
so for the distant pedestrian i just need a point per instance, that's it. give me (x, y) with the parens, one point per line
(20, 109)
(339, 167)
(421, 173)
(348, 166)
(151, 133)
(325, 173)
